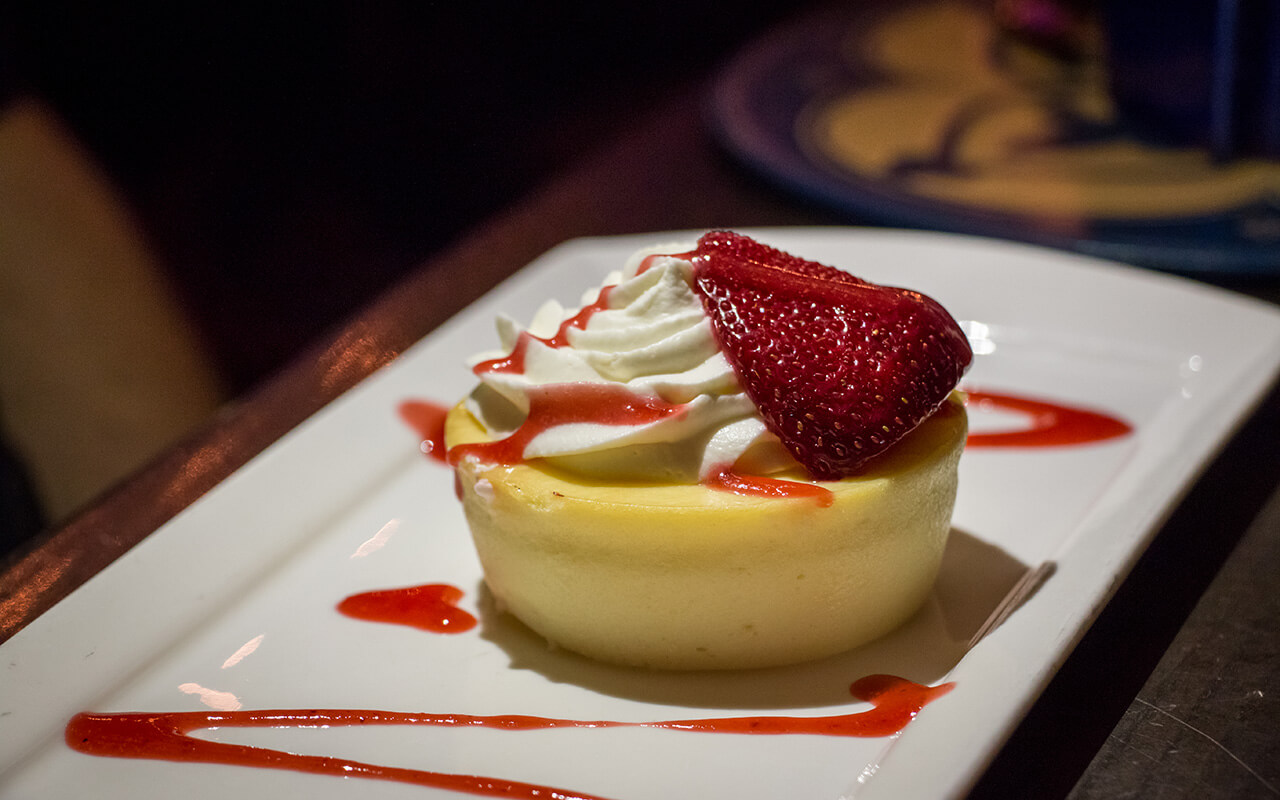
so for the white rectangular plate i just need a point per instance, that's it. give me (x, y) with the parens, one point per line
(234, 600)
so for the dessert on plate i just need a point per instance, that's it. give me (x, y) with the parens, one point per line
(727, 457)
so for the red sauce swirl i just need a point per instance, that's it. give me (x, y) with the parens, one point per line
(1051, 424)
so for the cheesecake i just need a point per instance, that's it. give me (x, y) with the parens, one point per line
(669, 477)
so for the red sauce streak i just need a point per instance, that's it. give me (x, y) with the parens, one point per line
(1052, 425)
(564, 404)
(165, 736)
(726, 480)
(432, 607)
(514, 362)
(427, 419)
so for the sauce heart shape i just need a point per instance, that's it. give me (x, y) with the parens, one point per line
(431, 607)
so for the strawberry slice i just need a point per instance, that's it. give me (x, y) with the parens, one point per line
(840, 368)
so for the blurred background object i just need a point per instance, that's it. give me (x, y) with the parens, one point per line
(1204, 74)
(999, 120)
(101, 370)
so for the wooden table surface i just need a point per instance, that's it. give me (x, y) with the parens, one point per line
(1174, 691)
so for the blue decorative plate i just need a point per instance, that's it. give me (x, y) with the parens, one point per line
(931, 115)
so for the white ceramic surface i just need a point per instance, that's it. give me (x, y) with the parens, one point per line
(234, 599)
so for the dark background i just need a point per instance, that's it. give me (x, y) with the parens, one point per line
(289, 161)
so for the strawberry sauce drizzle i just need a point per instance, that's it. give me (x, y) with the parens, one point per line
(166, 736)
(1052, 425)
(427, 419)
(726, 480)
(514, 361)
(432, 607)
(565, 404)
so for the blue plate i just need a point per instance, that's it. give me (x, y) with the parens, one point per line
(930, 115)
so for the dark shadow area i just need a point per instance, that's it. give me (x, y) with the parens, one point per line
(974, 580)
(289, 161)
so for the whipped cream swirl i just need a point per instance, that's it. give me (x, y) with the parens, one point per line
(645, 330)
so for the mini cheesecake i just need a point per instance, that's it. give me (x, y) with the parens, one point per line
(689, 576)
